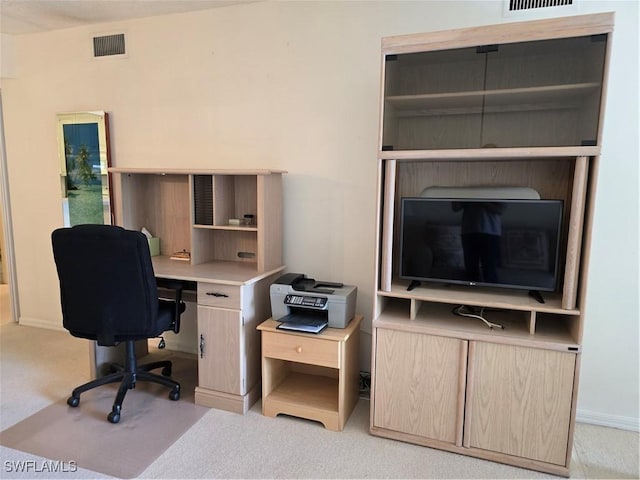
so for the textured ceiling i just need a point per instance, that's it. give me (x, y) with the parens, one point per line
(30, 16)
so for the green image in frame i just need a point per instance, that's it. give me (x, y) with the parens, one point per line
(83, 150)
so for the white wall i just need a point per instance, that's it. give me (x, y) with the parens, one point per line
(295, 86)
(609, 380)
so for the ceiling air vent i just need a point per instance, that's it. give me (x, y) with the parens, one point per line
(516, 6)
(108, 45)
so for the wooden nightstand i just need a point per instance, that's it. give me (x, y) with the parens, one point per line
(313, 376)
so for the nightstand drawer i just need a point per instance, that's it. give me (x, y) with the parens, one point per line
(219, 295)
(301, 349)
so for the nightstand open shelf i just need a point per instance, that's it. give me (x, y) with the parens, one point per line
(301, 393)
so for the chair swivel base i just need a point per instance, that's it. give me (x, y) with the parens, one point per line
(128, 376)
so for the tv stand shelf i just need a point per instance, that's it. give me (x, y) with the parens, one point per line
(479, 296)
(520, 327)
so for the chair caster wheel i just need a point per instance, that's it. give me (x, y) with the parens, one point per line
(73, 401)
(166, 371)
(174, 395)
(114, 416)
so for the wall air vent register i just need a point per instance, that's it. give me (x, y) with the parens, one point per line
(108, 45)
(521, 7)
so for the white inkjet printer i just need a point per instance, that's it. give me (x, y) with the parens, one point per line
(293, 294)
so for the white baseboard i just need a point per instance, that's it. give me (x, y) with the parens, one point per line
(613, 421)
(38, 322)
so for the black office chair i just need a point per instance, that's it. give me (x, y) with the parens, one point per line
(109, 294)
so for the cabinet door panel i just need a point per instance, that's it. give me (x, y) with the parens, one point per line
(418, 384)
(519, 401)
(220, 357)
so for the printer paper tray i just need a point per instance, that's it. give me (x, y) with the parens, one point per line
(303, 322)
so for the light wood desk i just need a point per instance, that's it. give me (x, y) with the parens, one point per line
(313, 376)
(231, 266)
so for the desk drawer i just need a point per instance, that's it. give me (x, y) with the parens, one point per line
(219, 295)
(296, 348)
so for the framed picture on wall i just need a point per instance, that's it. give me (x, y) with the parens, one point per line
(83, 150)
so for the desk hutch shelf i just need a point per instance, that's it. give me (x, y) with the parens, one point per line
(517, 105)
(191, 211)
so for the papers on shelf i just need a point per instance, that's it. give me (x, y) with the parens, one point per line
(183, 256)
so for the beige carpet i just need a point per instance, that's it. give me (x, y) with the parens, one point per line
(150, 423)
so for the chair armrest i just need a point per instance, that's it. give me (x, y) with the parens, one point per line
(177, 286)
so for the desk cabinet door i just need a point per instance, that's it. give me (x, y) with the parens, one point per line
(420, 385)
(220, 356)
(519, 401)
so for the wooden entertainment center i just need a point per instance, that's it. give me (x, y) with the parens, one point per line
(518, 105)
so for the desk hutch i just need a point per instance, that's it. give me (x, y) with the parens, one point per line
(230, 267)
(517, 104)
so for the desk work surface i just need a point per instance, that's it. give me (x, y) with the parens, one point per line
(230, 273)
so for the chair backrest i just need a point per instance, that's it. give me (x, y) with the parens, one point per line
(108, 290)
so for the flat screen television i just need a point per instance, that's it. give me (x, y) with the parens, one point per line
(484, 242)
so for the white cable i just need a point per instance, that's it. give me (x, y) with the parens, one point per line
(458, 311)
